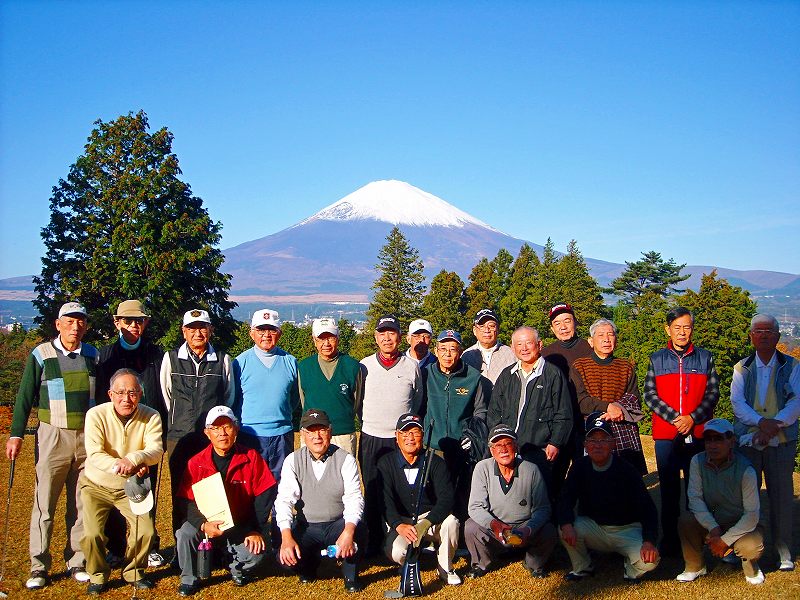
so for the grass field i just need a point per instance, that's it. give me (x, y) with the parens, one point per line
(509, 581)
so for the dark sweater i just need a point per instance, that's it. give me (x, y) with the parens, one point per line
(616, 496)
(400, 496)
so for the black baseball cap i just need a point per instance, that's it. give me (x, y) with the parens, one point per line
(388, 322)
(594, 422)
(562, 307)
(407, 420)
(502, 430)
(314, 416)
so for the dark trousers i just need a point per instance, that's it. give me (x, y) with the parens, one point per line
(484, 547)
(315, 537)
(671, 461)
(370, 449)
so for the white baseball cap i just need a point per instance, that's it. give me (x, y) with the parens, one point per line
(265, 316)
(324, 325)
(420, 325)
(220, 411)
(72, 308)
(196, 316)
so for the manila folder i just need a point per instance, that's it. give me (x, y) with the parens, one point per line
(209, 493)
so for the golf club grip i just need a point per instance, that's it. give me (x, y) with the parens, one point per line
(11, 475)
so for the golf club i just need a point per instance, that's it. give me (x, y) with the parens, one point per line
(135, 554)
(8, 516)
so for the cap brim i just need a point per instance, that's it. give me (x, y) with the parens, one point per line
(494, 438)
(143, 507)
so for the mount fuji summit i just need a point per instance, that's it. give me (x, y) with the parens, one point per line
(331, 256)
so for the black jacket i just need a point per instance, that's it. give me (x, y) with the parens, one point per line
(547, 415)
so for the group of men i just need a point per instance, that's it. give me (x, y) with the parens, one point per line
(504, 424)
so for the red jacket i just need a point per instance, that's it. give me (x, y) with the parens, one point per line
(248, 476)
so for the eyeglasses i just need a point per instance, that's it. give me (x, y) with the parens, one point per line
(599, 442)
(132, 320)
(227, 428)
(503, 445)
(490, 326)
(762, 331)
(413, 432)
(128, 393)
(263, 332)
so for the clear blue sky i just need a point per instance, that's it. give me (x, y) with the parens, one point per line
(629, 126)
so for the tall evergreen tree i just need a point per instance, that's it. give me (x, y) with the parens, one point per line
(514, 306)
(477, 295)
(123, 225)
(722, 314)
(546, 289)
(579, 288)
(399, 286)
(501, 275)
(649, 274)
(444, 304)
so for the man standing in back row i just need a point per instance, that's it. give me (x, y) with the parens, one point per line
(682, 390)
(488, 355)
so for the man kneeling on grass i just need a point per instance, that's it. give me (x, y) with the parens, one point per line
(250, 489)
(615, 512)
(508, 508)
(723, 507)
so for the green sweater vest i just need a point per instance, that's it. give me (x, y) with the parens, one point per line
(335, 396)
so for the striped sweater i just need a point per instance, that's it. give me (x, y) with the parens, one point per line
(61, 386)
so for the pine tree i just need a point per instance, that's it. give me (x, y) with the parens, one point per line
(444, 304)
(513, 309)
(399, 286)
(501, 276)
(123, 225)
(477, 296)
(578, 288)
(546, 290)
(650, 273)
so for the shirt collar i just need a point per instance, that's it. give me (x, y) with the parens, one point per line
(770, 364)
(57, 343)
(403, 463)
(538, 367)
(209, 356)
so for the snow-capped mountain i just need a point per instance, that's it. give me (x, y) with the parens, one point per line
(398, 203)
(333, 253)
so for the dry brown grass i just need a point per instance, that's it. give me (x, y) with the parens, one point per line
(510, 581)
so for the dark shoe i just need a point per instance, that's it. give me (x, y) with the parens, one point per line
(186, 589)
(37, 580)
(114, 560)
(306, 578)
(631, 580)
(476, 573)
(143, 584)
(578, 575)
(241, 580)
(95, 589)
(538, 573)
(352, 586)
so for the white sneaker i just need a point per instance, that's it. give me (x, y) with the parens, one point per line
(688, 576)
(79, 574)
(154, 559)
(786, 565)
(756, 579)
(37, 581)
(451, 577)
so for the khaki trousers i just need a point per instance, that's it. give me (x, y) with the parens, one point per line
(444, 535)
(749, 547)
(97, 503)
(60, 454)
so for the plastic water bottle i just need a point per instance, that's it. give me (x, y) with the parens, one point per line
(331, 550)
(204, 551)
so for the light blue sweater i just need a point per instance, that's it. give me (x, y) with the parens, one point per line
(266, 396)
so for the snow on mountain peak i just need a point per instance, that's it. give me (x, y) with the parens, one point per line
(398, 203)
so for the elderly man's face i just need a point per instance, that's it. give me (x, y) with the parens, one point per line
(764, 337)
(563, 327)
(718, 446)
(409, 440)
(680, 332)
(604, 340)
(327, 345)
(419, 342)
(448, 352)
(317, 438)
(486, 333)
(131, 328)
(504, 451)
(388, 340)
(599, 446)
(197, 336)
(222, 434)
(265, 337)
(125, 394)
(527, 346)
(71, 329)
